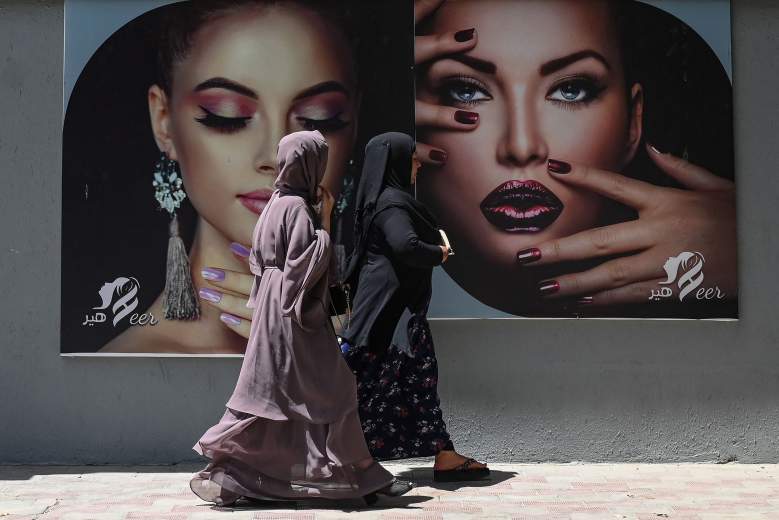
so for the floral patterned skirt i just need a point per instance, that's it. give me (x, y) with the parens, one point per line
(399, 409)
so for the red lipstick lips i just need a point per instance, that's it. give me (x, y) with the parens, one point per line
(256, 200)
(521, 207)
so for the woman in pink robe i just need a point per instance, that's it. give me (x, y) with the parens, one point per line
(291, 428)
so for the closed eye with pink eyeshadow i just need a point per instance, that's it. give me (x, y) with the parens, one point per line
(223, 112)
(322, 112)
(228, 107)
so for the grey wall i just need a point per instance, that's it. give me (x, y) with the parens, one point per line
(531, 390)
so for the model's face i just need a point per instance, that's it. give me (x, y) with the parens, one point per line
(547, 81)
(250, 78)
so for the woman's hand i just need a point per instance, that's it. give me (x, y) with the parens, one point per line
(445, 252)
(328, 202)
(699, 220)
(427, 48)
(235, 314)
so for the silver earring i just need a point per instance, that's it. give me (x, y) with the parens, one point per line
(179, 298)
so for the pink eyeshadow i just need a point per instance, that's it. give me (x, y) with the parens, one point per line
(321, 106)
(225, 105)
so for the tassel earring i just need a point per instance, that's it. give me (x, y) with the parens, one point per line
(180, 301)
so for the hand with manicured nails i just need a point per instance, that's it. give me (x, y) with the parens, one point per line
(427, 48)
(699, 218)
(230, 293)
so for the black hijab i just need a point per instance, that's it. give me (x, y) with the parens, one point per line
(385, 183)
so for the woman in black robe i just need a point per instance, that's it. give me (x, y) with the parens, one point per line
(387, 343)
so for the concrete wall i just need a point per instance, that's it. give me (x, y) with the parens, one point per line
(530, 390)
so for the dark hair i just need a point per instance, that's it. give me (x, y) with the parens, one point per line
(184, 19)
(688, 99)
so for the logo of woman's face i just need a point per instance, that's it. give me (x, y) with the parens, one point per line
(250, 78)
(546, 81)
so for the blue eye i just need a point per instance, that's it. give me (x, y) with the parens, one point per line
(574, 91)
(570, 92)
(464, 90)
(467, 94)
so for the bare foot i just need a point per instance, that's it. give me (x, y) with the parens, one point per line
(450, 459)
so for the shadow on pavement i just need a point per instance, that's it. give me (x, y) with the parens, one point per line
(346, 506)
(423, 477)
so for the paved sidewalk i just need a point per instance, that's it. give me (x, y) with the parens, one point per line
(517, 491)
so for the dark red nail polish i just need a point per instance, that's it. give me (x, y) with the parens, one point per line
(530, 255)
(548, 287)
(585, 300)
(466, 118)
(437, 155)
(464, 35)
(558, 166)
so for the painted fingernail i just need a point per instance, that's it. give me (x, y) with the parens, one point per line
(437, 155)
(209, 273)
(466, 118)
(239, 250)
(464, 35)
(585, 300)
(558, 166)
(210, 295)
(527, 256)
(548, 287)
(654, 149)
(229, 319)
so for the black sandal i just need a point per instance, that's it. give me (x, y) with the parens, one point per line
(462, 473)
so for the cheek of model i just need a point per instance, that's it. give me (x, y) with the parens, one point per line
(594, 136)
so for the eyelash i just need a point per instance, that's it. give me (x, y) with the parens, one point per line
(450, 84)
(592, 90)
(231, 125)
(332, 124)
(591, 87)
(223, 124)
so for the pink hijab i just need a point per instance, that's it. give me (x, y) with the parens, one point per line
(302, 160)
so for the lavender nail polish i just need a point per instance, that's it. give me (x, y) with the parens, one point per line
(210, 295)
(229, 319)
(209, 273)
(239, 250)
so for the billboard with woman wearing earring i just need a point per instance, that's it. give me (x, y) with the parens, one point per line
(169, 151)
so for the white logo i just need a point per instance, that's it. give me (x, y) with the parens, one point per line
(125, 292)
(686, 270)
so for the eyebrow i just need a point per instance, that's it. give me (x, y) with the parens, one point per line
(321, 88)
(479, 64)
(226, 84)
(560, 63)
